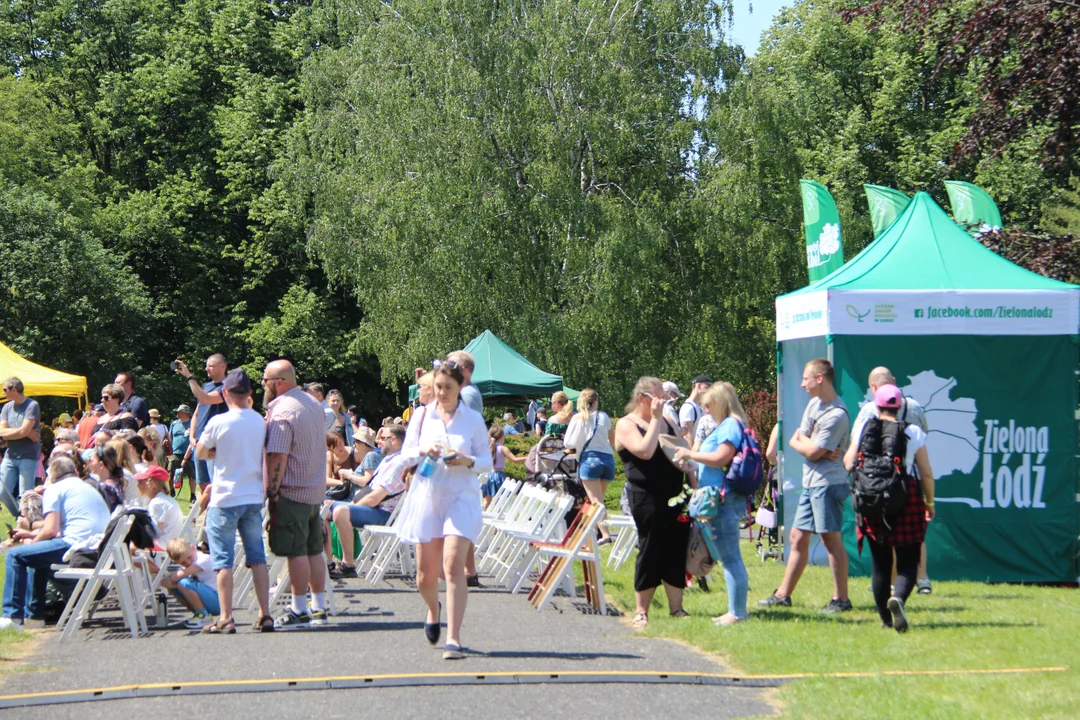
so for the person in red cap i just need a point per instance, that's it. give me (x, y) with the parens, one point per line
(164, 511)
(905, 532)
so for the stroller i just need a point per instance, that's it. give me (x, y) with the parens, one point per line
(553, 467)
(768, 539)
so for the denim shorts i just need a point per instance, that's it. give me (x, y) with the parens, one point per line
(596, 465)
(821, 509)
(222, 524)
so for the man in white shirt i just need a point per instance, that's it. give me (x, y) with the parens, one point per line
(691, 410)
(74, 512)
(234, 439)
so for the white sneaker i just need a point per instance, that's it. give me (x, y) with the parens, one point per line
(7, 623)
(199, 621)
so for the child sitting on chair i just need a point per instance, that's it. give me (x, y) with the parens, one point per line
(194, 584)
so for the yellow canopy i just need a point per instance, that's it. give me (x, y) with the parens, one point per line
(38, 379)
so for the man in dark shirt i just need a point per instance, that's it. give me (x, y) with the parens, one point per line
(132, 403)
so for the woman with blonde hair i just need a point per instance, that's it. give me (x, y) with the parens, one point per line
(713, 457)
(155, 453)
(559, 422)
(651, 481)
(591, 435)
(449, 447)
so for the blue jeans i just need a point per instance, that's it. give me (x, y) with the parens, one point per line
(725, 532)
(208, 595)
(361, 515)
(222, 524)
(27, 570)
(16, 478)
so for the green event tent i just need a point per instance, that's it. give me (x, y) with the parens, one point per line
(990, 350)
(505, 377)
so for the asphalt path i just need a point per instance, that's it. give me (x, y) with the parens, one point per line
(379, 631)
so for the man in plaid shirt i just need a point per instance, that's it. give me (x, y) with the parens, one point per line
(295, 487)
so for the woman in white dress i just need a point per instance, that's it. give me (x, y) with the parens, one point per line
(448, 442)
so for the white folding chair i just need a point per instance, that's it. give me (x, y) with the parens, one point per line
(626, 537)
(383, 549)
(525, 515)
(518, 557)
(114, 567)
(578, 544)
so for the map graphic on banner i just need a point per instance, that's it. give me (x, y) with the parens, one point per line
(953, 441)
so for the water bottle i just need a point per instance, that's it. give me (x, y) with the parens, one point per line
(426, 467)
(177, 481)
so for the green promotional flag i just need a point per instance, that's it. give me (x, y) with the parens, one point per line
(886, 205)
(972, 207)
(824, 245)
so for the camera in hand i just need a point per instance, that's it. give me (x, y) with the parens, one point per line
(174, 366)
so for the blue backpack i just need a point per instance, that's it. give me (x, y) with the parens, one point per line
(746, 471)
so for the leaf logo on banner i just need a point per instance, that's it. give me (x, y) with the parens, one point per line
(829, 240)
(854, 312)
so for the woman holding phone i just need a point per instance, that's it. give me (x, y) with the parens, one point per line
(448, 444)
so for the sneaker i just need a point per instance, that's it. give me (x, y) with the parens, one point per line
(7, 623)
(319, 617)
(924, 586)
(774, 601)
(899, 617)
(835, 606)
(341, 571)
(291, 620)
(199, 620)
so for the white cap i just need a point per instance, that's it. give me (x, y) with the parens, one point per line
(670, 387)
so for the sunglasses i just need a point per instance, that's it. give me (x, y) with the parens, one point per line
(452, 364)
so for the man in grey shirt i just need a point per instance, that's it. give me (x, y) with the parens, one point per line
(20, 427)
(470, 394)
(821, 439)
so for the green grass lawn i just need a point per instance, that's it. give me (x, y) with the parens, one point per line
(962, 626)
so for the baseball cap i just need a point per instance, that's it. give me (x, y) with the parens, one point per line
(153, 473)
(99, 408)
(237, 382)
(154, 413)
(183, 409)
(670, 387)
(702, 379)
(888, 396)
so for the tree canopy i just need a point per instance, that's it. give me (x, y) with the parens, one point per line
(361, 185)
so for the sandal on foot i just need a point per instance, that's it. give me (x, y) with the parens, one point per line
(264, 624)
(640, 620)
(680, 614)
(725, 620)
(220, 626)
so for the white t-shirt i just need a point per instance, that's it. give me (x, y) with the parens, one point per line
(237, 438)
(578, 432)
(690, 412)
(205, 571)
(162, 431)
(911, 412)
(167, 516)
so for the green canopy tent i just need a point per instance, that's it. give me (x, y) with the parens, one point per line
(990, 350)
(503, 376)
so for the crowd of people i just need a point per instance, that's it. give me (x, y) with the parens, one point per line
(311, 471)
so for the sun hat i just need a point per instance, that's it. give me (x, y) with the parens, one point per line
(183, 409)
(154, 413)
(365, 435)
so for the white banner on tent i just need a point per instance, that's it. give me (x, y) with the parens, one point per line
(921, 312)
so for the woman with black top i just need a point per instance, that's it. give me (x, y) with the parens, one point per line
(114, 418)
(651, 481)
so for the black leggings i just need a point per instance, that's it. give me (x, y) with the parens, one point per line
(907, 564)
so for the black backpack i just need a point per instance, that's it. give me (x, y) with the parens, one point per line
(880, 481)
